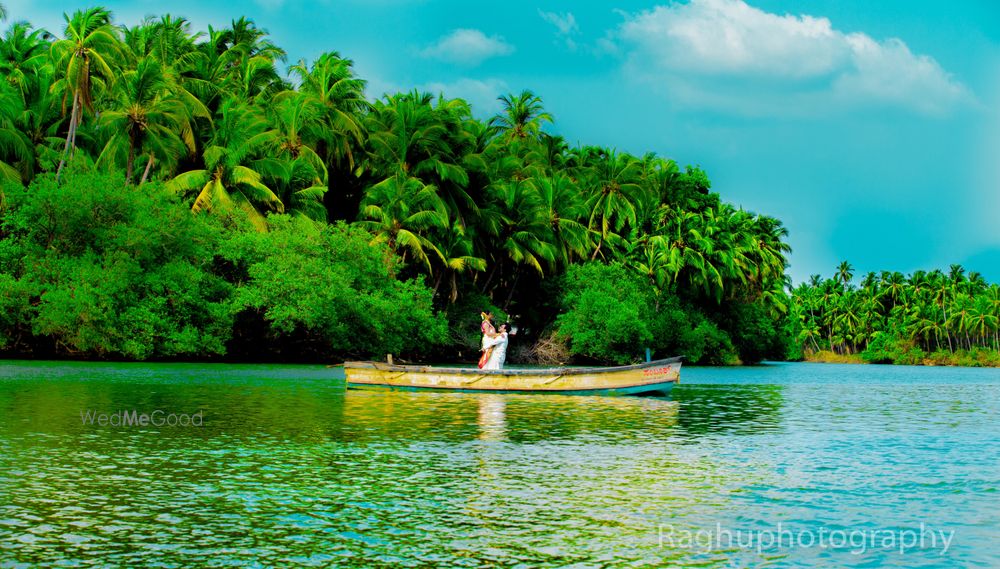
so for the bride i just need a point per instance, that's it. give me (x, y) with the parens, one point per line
(497, 346)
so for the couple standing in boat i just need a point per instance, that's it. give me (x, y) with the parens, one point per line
(494, 344)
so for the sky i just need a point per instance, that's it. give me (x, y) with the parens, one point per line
(871, 129)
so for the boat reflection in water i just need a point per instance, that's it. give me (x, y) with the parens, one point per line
(391, 415)
(492, 417)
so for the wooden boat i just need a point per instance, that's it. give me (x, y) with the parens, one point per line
(648, 378)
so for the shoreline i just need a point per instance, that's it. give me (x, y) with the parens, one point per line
(823, 357)
(976, 359)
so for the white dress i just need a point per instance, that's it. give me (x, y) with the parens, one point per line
(499, 355)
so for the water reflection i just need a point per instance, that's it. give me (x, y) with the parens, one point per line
(515, 418)
(738, 409)
(492, 417)
(290, 469)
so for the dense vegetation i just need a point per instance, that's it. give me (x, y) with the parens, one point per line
(926, 317)
(110, 132)
(174, 194)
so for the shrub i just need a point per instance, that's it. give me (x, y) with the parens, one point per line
(328, 286)
(606, 313)
(111, 269)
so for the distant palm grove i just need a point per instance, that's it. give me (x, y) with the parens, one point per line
(172, 193)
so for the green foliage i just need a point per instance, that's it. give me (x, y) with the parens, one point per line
(458, 213)
(329, 285)
(708, 345)
(111, 270)
(895, 318)
(755, 334)
(606, 313)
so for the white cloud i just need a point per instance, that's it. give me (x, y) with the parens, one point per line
(565, 25)
(467, 47)
(700, 50)
(482, 95)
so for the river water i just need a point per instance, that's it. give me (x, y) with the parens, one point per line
(783, 465)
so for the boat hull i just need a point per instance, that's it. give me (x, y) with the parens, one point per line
(649, 378)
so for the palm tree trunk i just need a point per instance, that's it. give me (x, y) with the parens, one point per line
(944, 314)
(489, 278)
(145, 173)
(129, 164)
(597, 251)
(510, 295)
(437, 283)
(71, 135)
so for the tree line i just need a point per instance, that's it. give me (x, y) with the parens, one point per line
(933, 316)
(596, 253)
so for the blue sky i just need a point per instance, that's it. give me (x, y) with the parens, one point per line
(872, 129)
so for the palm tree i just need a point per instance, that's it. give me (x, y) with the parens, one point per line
(688, 247)
(522, 117)
(615, 195)
(298, 121)
(330, 81)
(145, 117)
(82, 59)
(845, 272)
(401, 211)
(298, 184)
(411, 137)
(525, 236)
(228, 181)
(983, 319)
(565, 209)
(23, 52)
(13, 142)
(457, 253)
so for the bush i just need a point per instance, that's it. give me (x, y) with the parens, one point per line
(754, 334)
(110, 269)
(606, 313)
(329, 287)
(707, 344)
(881, 349)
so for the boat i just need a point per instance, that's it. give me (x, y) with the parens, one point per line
(648, 378)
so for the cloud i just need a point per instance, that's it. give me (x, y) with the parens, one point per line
(566, 27)
(467, 47)
(482, 95)
(732, 56)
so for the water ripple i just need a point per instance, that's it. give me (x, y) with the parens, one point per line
(289, 469)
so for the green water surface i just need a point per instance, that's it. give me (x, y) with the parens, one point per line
(289, 469)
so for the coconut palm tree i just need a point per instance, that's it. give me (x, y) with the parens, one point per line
(615, 196)
(145, 116)
(23, 52)
(330, 82)
(229, 181)
(84, 59)
(845, 272)
(565, 210)
(298, 184)
(458, 258)
(401, 211)
(523, 116)
(13, 143)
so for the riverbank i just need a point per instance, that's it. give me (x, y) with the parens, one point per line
(961, 358)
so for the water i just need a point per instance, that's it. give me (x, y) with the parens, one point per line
(289, 469)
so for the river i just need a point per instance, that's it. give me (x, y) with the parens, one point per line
(781, 465)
